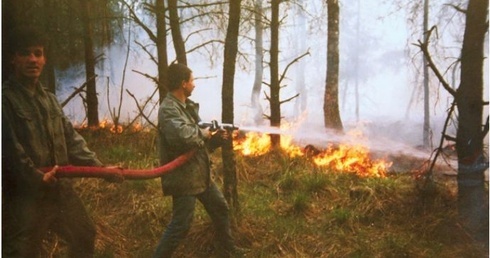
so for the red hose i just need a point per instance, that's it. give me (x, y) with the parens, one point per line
(130, 174)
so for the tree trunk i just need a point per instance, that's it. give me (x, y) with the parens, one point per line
(259, 65)
(176, 33)
(231, 49)
(301, 33)
(356, 64)
(8, 24)
(472, 199)
(275, 117)
(161, 49)
(426, 129)
(91, 98)
(49, 74)
(331, 102)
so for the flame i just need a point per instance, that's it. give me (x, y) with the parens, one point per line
(116, 129)
(255, 144)
(291, 149)
(103, 124)
(352, 159)
(344, 157)
(108, 125)
(137, 127)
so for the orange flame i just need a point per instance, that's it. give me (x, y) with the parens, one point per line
(349, 158)
(255, 144)
(116, 129)
(111, 127)
(137, 127)
(104, 123)
(352, 159)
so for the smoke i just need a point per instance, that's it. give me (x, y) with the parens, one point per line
(390, 105)
(111, 84)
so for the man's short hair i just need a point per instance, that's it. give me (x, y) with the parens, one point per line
(24, 37)
(177, 73)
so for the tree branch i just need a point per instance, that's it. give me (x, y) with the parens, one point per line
(141, 110)
(439, 149)
(155, 80)
(203, 14)
(152, 58)
(205, 43)
(187, 5)
(267, 96)
(424, 47)
(136, 19)
(195, 32)
(457, 8)
(291, 63)
(287, 100)
(143, 107)
(76, 91)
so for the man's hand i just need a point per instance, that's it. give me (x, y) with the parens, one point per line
(207, 132)
(50, 176)
(224, 134)
(218, 138)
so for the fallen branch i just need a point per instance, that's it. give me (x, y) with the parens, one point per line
(129, 174)
(441, 142)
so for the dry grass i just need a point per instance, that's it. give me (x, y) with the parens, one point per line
(289, 208)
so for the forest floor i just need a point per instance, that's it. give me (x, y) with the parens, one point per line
(288, 207)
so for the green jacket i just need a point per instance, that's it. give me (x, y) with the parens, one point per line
(180, 133)
(35, 134)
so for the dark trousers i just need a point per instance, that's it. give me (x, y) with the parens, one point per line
(26, 219)
(182, 214)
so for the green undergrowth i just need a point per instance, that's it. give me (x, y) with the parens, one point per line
(287, 208)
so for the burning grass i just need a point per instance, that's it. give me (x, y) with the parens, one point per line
(339, 157)
(290, 207)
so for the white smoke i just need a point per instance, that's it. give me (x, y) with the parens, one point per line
(385, 89)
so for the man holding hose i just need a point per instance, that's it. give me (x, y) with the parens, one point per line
(178, 120)
(36, 134)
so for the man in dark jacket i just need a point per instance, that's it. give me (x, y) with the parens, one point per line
(36, 134)
(178, 120)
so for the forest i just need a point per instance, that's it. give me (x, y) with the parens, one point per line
(362, 125)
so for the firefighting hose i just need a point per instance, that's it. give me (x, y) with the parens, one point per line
(132, 174)
(115, 172)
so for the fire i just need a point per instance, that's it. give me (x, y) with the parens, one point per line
(108, 125)
(137, 127)
(291, 149)
(255, 144)
(116, 129)
(344, 157)
(104, 123)
(352, 159)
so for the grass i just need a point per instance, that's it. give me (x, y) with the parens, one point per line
(289, 208)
